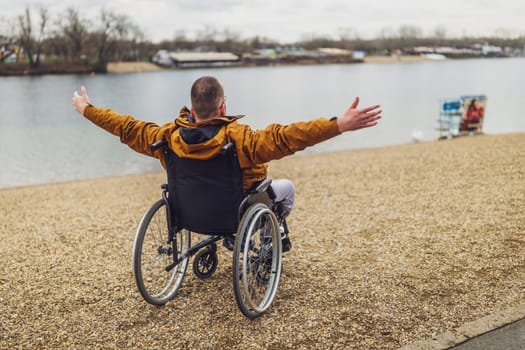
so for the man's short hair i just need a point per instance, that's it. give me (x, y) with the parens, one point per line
(207, 95)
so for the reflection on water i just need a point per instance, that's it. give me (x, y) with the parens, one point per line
(42, 139)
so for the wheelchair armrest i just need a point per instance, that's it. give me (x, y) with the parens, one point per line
(158, 144)
(259, 192)
(263, 186)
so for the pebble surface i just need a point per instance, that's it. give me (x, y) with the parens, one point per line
(390, 246)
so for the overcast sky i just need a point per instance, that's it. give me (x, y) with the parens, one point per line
(293, 20)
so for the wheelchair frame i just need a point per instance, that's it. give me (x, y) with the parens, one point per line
(257, 251)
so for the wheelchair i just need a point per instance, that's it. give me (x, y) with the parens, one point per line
(205, 197)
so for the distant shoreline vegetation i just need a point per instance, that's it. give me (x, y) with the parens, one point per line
(45, 68)
(14, 69)
(39, 43)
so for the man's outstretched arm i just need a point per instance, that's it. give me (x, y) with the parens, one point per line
(137, 134)
(277, 141)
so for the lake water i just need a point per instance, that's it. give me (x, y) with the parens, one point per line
(42, 139)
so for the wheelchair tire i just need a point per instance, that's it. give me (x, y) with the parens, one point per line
(257, 260)
(152, 253)
(205, 263)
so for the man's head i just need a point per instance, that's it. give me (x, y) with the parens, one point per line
(207, 99)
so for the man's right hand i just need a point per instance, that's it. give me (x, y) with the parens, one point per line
(80, 102)
(355, 119)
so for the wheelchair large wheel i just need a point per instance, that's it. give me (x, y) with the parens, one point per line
(152, 253)
(257, 258)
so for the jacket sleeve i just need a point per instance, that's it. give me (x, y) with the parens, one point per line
(277, 141)
(137, 134)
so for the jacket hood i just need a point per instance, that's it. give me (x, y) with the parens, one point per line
(202, 140)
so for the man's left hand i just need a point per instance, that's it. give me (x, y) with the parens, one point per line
(80, 102)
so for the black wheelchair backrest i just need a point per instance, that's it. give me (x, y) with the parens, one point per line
(204, 195)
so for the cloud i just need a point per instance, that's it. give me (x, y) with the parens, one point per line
(207, 6)
(289, 20)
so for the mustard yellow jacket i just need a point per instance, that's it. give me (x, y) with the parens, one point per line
(203, 140)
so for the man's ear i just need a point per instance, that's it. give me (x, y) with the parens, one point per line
(192, 112)
(222, 109)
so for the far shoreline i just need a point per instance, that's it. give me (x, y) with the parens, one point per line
(137, 67)
(120, 67)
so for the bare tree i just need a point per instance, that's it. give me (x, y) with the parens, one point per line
(231, 41)
(44, 18)
(112, 28)
(507, 33)
(386, 39)
(207, 38)
(74, 31)
(136, 37)
(180, 35)
(32, 46)
(409, 32)
(258, 42)
(348, 37)
(386, 33)
(181, 41)
(26, 34)
(440, 32)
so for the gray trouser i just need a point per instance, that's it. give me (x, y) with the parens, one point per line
(285, 193)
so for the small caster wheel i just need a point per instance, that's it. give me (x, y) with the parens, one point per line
(205, 263)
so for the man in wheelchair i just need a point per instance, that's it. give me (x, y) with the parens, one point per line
(201, 131)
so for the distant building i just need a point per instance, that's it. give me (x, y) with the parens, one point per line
(424, 49)
(260, 56)
(299, 55)
(336, 55)
(358, 55)
(195, 59)
(445, 50)
(489, 50)
(329, 51)
(476, 50)
(162, 58)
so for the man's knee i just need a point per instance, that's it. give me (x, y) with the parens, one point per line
(284, 193)
(284, 189)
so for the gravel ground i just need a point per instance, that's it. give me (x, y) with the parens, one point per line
(391, 245)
